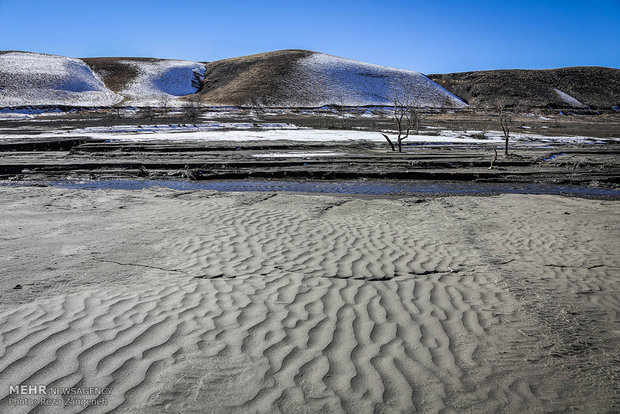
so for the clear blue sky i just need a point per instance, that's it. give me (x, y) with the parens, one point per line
(428, 36)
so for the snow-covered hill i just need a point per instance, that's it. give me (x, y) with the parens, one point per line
(39, 79)
(172, 77)
(321, 79)
(288, 78)
(143, 81)
(300, 78)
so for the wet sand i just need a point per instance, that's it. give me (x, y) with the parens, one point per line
(186, 301)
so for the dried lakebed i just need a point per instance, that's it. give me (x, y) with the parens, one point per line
(595, 165)
(281, 302)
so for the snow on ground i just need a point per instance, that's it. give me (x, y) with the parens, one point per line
(223, 132)
(159, 78)
(12, 116)
(322, 79)
(150, 132)
(308, 135)
(38, 79)
(30, 111)
(298, 154)
(178, 128)
(569, 99)
(526, 136)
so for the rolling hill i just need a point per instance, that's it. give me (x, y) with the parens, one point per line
(574, 87)
(288, 78)
(300, 78)
(142, 81)
(48, 80)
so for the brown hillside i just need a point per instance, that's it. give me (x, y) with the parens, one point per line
(596, 87)
(114, 72)
(236, 81)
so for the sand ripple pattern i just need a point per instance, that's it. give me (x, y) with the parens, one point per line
(340, 345)
(250, 241)
(254, 306)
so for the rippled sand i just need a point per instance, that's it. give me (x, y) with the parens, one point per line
(271, 302)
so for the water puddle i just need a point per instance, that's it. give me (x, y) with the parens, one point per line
(553, 156)
(336, 187)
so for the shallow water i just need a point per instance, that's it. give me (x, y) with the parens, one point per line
(336, 187)
(553, 156)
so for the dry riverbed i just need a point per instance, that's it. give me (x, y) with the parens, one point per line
(276, 302)
(593, 165)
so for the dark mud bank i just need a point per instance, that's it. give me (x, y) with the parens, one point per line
(335, 187)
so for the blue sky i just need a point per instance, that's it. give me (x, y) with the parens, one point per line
(427, 36)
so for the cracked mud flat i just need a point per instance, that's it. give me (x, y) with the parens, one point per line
(200, 301)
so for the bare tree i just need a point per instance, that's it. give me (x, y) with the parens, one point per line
(390, 142)
(406, 114)
(416, 115)
(164, 103)
(117, 109)
(341, 103)
(148, 112)
(255, 103)
(191, 109)
(492, 166)
(505, 120)
(445, 103)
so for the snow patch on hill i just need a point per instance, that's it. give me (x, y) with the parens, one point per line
(322, 79)
(37, 79)
(569, 99)
(160, 78)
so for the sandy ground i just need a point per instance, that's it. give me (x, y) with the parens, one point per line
(201, 301)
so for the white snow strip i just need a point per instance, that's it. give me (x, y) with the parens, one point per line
(307, 135)
(303, 135)
(14, 116)
(298, 154)
(569, 99)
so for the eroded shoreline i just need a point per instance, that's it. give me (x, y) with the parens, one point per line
(377, 188)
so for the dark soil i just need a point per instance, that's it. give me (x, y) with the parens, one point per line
(40, 155)
(592, 165)
(595, 87)
(237, 81)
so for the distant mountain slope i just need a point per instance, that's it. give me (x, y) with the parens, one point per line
(303, 78)
(144, 80)
(596, 87)
(39, 79)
